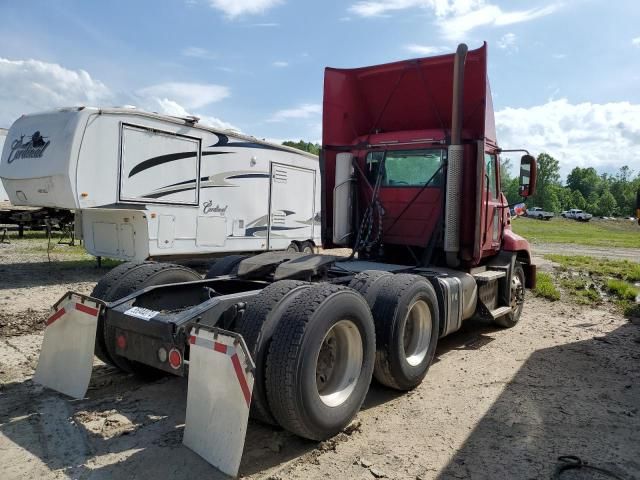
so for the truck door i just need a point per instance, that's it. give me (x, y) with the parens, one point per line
(492, 215)
(292, 205)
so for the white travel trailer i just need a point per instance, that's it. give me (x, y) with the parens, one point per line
(3, 193)
(145, 185)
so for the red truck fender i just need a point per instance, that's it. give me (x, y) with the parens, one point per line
(512, 242)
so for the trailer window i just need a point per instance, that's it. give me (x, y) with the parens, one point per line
(405, 168)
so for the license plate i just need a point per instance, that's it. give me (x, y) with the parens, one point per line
(142, 313)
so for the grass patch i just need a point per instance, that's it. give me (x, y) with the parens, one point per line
(621, 269)
(632, 310)
(622, 289)
(582, 290)
(545, 287)
(598, 233)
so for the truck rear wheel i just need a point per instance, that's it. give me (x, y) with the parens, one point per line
(515, 300)
(104, 290)
(257, 325)
(136, 278)
(407, 325)
(225, 266)
(367, 284)
(320, 361)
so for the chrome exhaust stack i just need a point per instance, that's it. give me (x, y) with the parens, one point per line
(454, 163)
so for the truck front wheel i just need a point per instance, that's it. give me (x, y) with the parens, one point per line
(320, 361)
(515, 299)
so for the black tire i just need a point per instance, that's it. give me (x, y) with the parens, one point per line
(257, 326)
(403, 298)
(515, 299)
(143, 275)
(293, 247)
(307, 247)
(104, 291)
(367, 284)
(225, 266)
(292, 362)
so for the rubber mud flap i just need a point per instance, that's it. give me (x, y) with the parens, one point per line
(66, 356)
(221, 376)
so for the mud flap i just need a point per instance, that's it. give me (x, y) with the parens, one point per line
(66, 356)
(221, 375)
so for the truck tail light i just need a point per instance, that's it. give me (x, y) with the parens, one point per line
(175, 358)
(121, 341)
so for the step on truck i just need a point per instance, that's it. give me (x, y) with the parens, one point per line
(410, 184)
(144, 185)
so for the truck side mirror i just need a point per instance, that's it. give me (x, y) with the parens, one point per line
(527, 176)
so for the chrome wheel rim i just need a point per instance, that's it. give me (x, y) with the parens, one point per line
(339, 363)
(417, 333)
(517, 293)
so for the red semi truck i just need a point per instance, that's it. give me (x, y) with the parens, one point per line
(410, 183)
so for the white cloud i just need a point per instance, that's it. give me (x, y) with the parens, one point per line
(425, 49)
(456, 18)
(280, 64)
(306, 110)
(235, 8)
(508, 42)
(190, 95)
(604, 136)
(169, 107)
(635, 42)
(198, 52)
(27, 86)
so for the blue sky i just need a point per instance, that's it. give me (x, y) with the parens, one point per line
(564, 75)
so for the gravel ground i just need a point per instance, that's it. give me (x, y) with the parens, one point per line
(496, 403)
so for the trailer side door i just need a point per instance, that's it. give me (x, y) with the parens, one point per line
(291, 208)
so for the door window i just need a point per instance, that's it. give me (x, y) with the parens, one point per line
(491, 176)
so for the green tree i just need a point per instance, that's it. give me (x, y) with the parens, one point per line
(313, 148)
(548, 178)
(577, 200)
(592, 202)
(606, 205)
(586, 180)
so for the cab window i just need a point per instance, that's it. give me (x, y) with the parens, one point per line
(405, 168)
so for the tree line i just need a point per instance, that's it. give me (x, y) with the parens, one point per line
(600, 194)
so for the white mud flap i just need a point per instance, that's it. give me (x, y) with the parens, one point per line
(220, 385)
(66, 357)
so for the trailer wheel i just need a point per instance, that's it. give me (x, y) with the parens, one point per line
(293, 247)
(104, 290)
(407, 325)
(225, 266)
(320, 361)
(307, 247)
(515, 300)
(142, 275)
(257, 325)
(367, 284)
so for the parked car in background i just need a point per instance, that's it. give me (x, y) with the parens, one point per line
(539, 213)
(577, 214)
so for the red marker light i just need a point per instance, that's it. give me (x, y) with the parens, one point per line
(121, 342)
(175, 358)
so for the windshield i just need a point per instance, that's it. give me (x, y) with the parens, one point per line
(405, 168)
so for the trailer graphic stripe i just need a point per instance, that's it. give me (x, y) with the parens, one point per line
(235, 361)
(170, 157)
(55, 316)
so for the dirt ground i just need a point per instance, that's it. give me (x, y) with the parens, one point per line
(496, 403)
